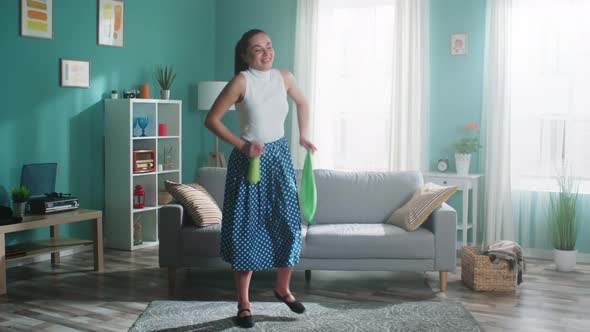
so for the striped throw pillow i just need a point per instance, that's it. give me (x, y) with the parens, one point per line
(197, 202)
(423, 202)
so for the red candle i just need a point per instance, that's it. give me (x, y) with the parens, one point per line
(162, 129)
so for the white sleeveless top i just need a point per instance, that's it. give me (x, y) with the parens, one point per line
(263, 109)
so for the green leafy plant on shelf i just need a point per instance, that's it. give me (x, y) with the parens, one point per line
(165, 76)
(562, 214)
(20, 194)
(469, 144)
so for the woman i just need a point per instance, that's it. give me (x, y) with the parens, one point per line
(261, 222)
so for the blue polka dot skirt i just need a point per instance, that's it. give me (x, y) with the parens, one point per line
(261, 226)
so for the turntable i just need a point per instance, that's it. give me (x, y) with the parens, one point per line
(53, 202)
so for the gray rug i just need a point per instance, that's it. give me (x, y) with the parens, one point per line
(275, 316)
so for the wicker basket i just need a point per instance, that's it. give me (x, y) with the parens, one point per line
(480, 274)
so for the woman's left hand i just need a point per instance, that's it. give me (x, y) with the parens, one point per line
(304, 142)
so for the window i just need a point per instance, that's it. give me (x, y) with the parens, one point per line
(550, 102)
(355, 77)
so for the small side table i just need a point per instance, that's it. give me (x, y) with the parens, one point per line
(55, 243)
(465, 183)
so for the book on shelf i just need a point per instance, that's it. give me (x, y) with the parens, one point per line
(14, 251)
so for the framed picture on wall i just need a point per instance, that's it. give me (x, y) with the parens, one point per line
(459, 43)
(111, 22)
(36, 18)
(75, 73)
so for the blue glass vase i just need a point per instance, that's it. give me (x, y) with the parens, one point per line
(143, 123)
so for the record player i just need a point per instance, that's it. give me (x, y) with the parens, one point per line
(53, 202)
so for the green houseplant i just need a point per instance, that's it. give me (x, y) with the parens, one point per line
(20, 196)
(562, 223)
(465, 147)
(165, 76)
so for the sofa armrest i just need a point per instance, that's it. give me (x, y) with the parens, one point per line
(169, 224)
(443, 223)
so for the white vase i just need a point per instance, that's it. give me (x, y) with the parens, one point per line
(19, 208)
(565, 260)
(165, 94)
(462, 161)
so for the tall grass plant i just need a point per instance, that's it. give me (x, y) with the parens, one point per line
(562, 214)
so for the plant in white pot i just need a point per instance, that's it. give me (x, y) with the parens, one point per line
(465, 147)
(562, 222)
(20, 196)
(165, 76)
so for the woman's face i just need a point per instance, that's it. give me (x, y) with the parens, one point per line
(260, 54)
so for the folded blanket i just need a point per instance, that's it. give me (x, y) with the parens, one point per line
(509, 251)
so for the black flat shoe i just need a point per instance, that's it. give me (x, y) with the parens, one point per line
(244, 321)
(295, 306)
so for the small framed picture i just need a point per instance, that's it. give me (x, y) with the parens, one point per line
(36, 18)
(75, 73)
(459, 43)
(111, 22)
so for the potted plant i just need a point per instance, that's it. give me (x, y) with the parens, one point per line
(562, 222)
(465, 147)
(165, 76)
(20, 196)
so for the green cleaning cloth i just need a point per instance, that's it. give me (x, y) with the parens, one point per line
(253, 175)
(308, 193)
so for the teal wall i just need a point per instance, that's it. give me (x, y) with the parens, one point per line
(42, 122)
(234, 17)
(456, 81)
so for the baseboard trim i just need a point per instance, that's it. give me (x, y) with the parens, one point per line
(46, 257)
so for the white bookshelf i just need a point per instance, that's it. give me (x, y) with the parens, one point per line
(120, 180)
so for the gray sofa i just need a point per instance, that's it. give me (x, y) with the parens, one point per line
(349, 233)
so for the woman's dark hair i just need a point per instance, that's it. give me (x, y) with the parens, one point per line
(241, 48)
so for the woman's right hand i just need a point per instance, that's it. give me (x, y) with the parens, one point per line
(252, 149)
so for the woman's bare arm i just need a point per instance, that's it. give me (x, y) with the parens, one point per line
(231, 94)
(302, 109)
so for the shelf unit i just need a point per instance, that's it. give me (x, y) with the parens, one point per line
(121, 139)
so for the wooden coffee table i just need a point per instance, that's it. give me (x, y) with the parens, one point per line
(54, 244)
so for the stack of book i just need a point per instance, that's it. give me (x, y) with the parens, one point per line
(14, 251)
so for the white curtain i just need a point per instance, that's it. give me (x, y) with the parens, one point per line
(364, 67)
(496, 123)
(305, 71)
(550, 108)
(411, 97)
(536, 112)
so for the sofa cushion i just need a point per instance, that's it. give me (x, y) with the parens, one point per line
(200, 241)
(213, 179)
(350, 241)
(345, 197)
(423, 202)
(196, 201)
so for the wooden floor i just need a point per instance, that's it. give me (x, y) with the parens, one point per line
(73, 297)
